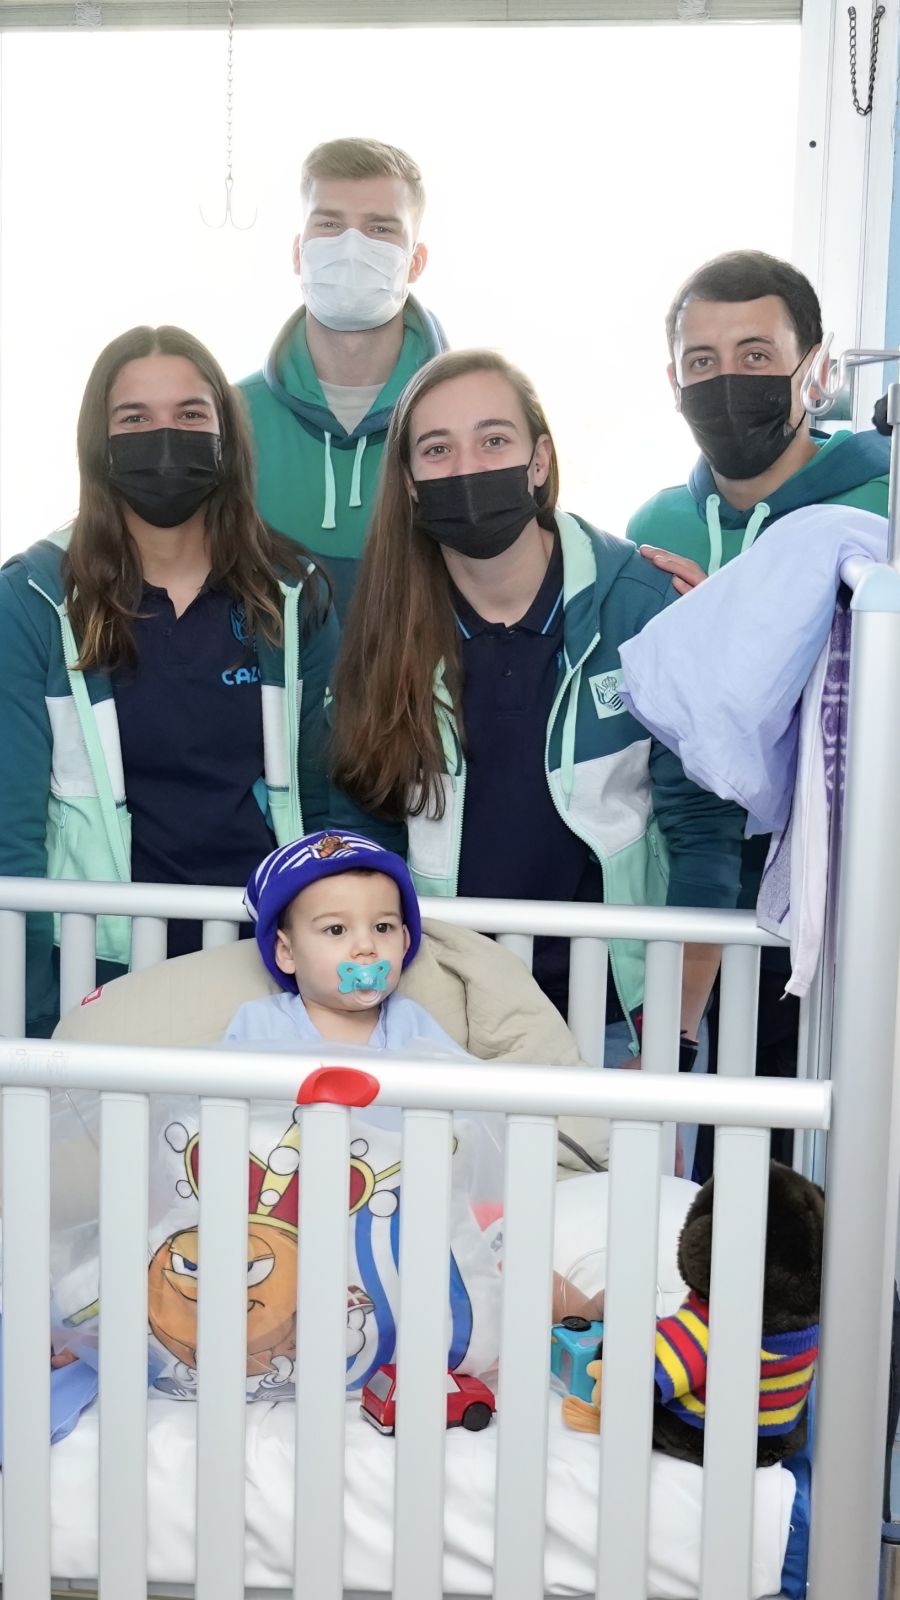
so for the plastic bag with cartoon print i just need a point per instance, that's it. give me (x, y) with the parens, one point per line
(174, 1267)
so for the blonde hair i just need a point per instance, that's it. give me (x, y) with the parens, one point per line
(363, 158)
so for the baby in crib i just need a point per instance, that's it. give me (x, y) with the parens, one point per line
(337, 920)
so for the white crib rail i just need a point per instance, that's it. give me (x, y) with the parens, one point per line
(864, 1150)
(124, 1228)
(321, 1372)
(522, 1446)
(515, 923)
(639, 1106)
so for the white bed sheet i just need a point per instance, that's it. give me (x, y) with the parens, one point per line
(571, 1507)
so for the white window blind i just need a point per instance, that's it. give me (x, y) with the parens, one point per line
(90, 15)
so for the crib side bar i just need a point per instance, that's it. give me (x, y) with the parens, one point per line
(558, 919)
(77, 958)
(321, 1365)
(861, 1205)
(816, 1040)
(149, 939)
(588, 971)
(803, 1150)
(584, 919)
(732, 1390)
(26, 1344)
(421, 1417)
(519, 944)
(521, 1499)
(12, 974)
(738, 1011)
(628, 1342)
(217, 932)
(662, 1023)
(222, 1347)
(412, 1083)
(124, 1180)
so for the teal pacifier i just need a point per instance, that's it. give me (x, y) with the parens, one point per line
(353, 976)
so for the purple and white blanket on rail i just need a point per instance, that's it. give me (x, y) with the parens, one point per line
(802, 858)
(745, 679)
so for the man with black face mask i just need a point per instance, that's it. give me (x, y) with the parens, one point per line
(742, 331)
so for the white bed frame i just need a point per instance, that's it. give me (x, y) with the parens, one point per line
(848, 1093)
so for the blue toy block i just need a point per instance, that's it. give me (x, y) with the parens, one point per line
(571, 1348)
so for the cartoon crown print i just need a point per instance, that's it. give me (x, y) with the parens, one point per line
(273, 1187)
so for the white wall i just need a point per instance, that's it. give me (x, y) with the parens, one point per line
(575, 176)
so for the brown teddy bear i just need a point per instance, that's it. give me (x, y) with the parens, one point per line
(791, 1291)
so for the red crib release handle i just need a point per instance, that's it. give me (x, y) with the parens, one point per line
(338, 1086)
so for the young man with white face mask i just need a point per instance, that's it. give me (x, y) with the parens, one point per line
(320, 407)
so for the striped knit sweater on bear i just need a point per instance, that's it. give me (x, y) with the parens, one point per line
(787, 1365)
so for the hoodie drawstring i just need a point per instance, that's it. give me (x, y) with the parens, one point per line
(714, 529)
(330, 486)
(355, 496)
(753, 527)
(330, 490)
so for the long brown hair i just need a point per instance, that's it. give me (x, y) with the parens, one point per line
(102, 568)
(387, 752)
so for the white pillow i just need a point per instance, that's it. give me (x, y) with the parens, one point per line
(582, 1207)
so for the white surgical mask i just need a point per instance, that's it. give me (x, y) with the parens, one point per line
(351, 282)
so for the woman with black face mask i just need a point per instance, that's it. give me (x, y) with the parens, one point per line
(147, 732)
(477, 693)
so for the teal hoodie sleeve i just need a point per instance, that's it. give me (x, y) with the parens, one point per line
(25, 734)
(703, 834)
(317, 658)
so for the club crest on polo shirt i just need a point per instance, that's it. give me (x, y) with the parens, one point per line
(239, 623)
(605, 688)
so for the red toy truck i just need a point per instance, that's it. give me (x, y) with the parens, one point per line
(470, 1404)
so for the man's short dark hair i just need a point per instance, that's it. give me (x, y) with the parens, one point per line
(748, 275)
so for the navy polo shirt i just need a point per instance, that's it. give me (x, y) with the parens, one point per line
(190, 725)
(515, 844)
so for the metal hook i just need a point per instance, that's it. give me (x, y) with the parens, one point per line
(240, 227)
(830, 383)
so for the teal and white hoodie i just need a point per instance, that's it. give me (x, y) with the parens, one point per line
(659, 839)
(63, 806)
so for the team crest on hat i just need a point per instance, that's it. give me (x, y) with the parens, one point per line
(332, 845)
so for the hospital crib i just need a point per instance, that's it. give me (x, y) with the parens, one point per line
(844, 1107)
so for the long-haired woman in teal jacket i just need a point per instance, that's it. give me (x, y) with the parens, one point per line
(477, 699)
(164, 660)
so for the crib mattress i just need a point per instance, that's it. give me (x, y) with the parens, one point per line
(470, 1465)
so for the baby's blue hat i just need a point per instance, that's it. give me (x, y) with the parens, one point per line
(283, 874)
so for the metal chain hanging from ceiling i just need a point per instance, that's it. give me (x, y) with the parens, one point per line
(229, 216)
(864, 110)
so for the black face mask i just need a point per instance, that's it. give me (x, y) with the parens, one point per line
(478, 514)
(165, 474)
(741, 421)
